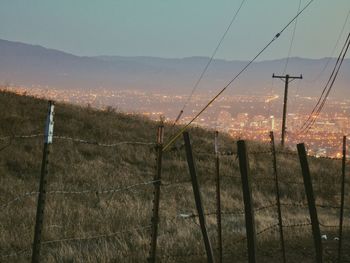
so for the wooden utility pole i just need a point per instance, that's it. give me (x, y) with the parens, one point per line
(286, 80)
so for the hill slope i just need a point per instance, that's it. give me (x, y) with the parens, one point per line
(99, 197)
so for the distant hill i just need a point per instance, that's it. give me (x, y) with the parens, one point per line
(24, 64)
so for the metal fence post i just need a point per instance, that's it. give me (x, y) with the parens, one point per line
(218, 196)
(39, 222)
(280, 222)
(157, 182)
(341, 216)
(248, 200)
(311, 201)
(197, 197)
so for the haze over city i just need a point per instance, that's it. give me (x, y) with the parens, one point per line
(145, 58)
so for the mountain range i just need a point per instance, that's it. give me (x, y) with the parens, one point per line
(32, 65)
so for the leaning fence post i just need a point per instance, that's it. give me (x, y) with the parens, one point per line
(218, 196)
(197, 197)
(280, 222)
(248, 200)
(157, 182)
(311, 201)
(341, 216)
(42, 186)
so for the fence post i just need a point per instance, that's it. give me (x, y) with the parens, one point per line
(342, 201)
(280, 222)
(218, 196)
(157, 182)
(311, 201)
(197, 197)
(248, 200)
(39, 222)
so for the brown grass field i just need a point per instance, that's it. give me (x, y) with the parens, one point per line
(86, 222)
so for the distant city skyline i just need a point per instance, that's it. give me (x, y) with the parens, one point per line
(175, 29)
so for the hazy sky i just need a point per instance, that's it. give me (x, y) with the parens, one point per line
(173, 28)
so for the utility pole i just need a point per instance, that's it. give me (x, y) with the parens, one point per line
(286, 80)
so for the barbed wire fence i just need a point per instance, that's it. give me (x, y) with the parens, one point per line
(228, 249)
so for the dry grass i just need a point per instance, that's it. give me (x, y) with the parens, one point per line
(111, 223)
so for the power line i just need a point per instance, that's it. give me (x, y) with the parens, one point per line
(333, 50)
(209, 62)
(291, 41)
(326, 90)
(172, 140)
(290, 50)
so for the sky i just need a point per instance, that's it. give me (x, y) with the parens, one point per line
(175, 28)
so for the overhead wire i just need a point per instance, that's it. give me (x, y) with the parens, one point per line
(288, 55)
(313, 120)
(326, 90)
(209, 62)
(333, 50)
(328, 59)
(172, 140)
(291, 41)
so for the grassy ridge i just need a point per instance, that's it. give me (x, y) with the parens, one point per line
(112, 223)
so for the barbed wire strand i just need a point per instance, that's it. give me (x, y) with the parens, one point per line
(77, 140)
(18, 198)
(17, 253)
(108, 235)
(107, 191)
(102, 144)
(64, 192)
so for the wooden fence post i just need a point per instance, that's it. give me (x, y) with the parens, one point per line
(39, 222)
(280, 222)
(197, 197)
(218, 196)
(311, 201)
(341, 216)
(248, 200)
(157, 182)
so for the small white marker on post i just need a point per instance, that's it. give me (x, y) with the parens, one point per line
(49, 123)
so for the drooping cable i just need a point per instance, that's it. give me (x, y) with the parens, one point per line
(333, 50)
(291, 41)
(208, 63)
(321, 98)
(326, 90)
(172, 140)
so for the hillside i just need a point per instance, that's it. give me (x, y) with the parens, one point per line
(29, 65)
(99, 198)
